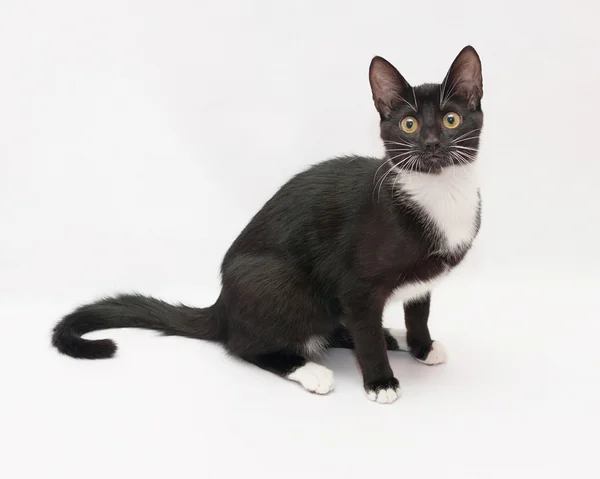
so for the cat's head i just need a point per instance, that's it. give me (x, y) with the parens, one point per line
(432, 126)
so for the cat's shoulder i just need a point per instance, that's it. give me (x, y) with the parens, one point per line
(348, 163)
(339, 170)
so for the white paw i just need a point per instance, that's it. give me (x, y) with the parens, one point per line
(314, 378)
(400, 336)
(437, 355)
(384, 396)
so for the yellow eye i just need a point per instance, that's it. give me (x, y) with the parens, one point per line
(409, 124)
(451, 120)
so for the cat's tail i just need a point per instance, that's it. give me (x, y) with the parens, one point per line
(129, 311)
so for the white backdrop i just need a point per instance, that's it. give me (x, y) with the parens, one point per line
(137, 138)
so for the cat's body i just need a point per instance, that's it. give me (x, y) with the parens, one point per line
(316, 265)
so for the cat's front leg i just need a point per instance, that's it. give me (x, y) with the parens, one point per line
(364, 325)
(423, 349)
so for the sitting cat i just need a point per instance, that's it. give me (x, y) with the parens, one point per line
(316, 265)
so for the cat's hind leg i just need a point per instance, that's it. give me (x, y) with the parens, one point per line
(311, 376)
(276, 319)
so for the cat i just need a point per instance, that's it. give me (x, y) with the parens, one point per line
(316, 265)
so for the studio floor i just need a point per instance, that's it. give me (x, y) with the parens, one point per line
(518, 394)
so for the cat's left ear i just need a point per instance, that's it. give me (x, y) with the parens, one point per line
(464, 78)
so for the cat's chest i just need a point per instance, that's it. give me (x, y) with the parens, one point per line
(447, 205)
(424, 275)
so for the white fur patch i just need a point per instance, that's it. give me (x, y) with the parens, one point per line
(400, 336)
(417, 289)
(384, 396)
(437, 355)
(315, 346)
(314, 378)
(450, 199)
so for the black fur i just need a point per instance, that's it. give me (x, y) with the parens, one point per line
(324, 254)
(129, 311)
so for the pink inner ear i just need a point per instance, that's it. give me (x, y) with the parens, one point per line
(465, 77)
(387, 85)
(385, 88)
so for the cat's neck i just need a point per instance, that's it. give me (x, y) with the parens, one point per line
(456, 177)
(449, 199)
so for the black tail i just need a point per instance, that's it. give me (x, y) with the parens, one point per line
(129, 311)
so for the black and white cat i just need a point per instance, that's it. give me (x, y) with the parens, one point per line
(316, 265)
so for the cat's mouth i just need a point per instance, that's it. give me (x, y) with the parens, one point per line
(428, 162)
(433, 163)
(434, 168)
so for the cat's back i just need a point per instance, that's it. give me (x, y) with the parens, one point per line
(331, 189)
(335, 177)
(314, 205)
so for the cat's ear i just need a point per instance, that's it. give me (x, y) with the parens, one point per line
(388, 86)
(464, 78)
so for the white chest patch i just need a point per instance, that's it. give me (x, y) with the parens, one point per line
(449, 200)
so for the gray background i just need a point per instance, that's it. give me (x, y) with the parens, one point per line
(130, 129)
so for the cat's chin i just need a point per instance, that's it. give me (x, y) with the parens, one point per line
(429, 169)
(433, 165)
(434, 170)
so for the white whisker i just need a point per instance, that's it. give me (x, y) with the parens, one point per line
(465, 148)
(383, 181)
(389, 160)
(415, 98)
(443, 91)
(380, 166)
(467, 133)
(465, 139)
(450, 94)
(399, 143)
(405, 101)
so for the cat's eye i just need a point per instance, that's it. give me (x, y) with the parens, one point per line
(451, 120)
(409, 124)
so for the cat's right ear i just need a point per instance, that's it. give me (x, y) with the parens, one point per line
(388, 86)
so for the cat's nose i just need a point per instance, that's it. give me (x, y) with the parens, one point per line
(432, 143)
